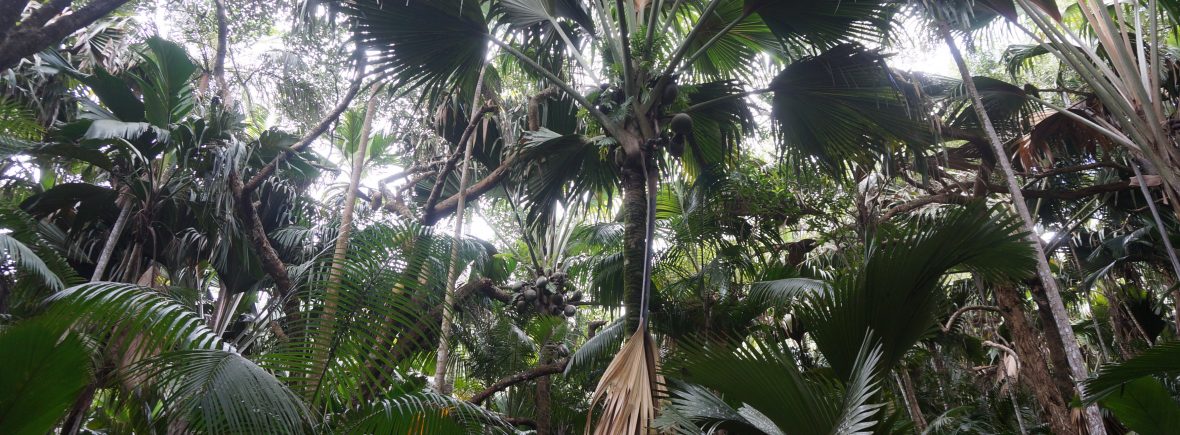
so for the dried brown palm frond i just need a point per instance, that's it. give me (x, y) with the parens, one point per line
(627, 389)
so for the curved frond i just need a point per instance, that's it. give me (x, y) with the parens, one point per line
(842, 108)
(217, 391)
(41, 374)
(431, 45)
(1161, 359)
(598, 349)
(895, 294)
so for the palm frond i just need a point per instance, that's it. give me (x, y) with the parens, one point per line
(597, 349)
(895, 293)
(843, 108)
(42, 372)
(217, 391)
(626, 389)
(826, 24)
(434, 46)
(28, 260)
(786, 291)
(1145, 406)
(1161, 359)
(422, 413)
(775, 396)
(103, 305)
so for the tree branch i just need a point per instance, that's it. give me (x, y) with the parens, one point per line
(29, 37)
(10, 11)
(449, 166)
(1078, 168)
(950, 323)
(1067, 194)
(533, 373)
(248, 213)
(319, 129)
(941, 198)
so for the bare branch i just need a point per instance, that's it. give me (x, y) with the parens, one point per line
(536, 372)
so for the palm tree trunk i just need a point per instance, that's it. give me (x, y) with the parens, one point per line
(443, 357)
(1073, 354)
(328, 319)
(634, 234)
(911, 398)
(544, 394)
(108, 248)
(1034, 369)
(219, 55)
(1163, 231)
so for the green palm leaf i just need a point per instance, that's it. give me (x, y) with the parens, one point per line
(1161, 359)
(167, 323)
(826, 23)
(217, 391)
(28, 261)
(422, 413)
(40, 375)
(432, 45)
(842, 108)
(775, 395)
(895, 293)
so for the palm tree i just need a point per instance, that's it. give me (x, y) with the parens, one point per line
(941, 12)
(643, 54)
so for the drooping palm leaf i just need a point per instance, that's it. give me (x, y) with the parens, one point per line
(599, 348)
(422, 413)
(167, 323)
(1145, 406)
(1161, 359)
(431, 45)
(41, 374)
(218, 391)
(775, 396)
(894, 293)
(842, 108)
(826, 23)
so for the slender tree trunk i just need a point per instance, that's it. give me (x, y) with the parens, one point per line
(77, 413)
(911, 398)
(108, 248)
(1055, 345)
(1163, 232)
(1033, 367)
(219, 55)
(76, 417)
(328, 320)
(441, 383)
(1061, 318)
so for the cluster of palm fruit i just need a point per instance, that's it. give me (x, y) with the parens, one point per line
(548, 294)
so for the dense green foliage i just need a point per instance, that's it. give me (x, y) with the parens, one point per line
(670, 216)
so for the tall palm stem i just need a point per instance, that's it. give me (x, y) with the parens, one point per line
(108, 248)
(328, 320)
(444, 337)
(1073, 354)
(1163, 231)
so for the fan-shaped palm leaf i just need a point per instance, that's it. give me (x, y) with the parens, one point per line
(843, 108)
(895, 293)
(775, 396)
(41, 373)
(432, 45)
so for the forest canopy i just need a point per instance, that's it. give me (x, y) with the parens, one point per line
(589, 216)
